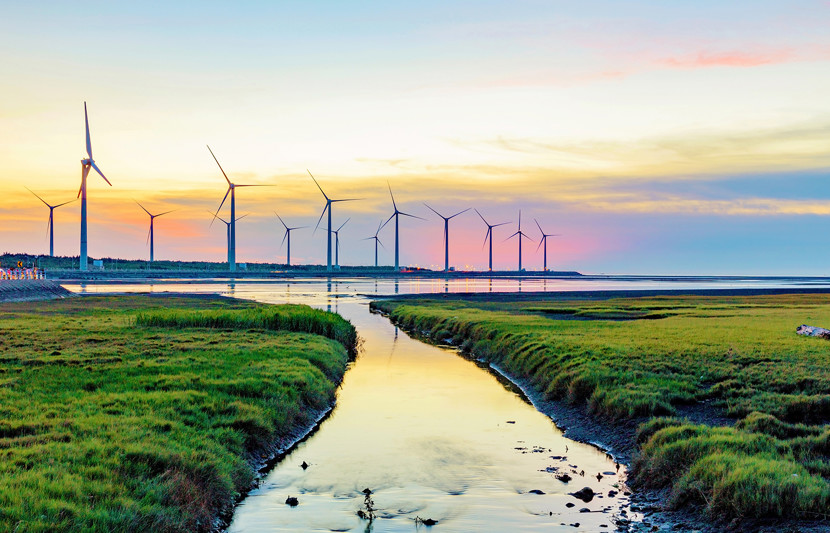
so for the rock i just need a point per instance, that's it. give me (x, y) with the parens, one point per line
(367, 491)
(429, 522)
(612, 493)
(292, 501)
(599, 477)
(813, 331)
(585, 494)
(564, 478)
(536, 491)
(304, 465)
(584, 510)
(511, 421)
(570, 504)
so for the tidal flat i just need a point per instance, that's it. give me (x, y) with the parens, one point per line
(148, 413)
(724, 407)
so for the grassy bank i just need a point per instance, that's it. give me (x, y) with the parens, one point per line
(650, 359)
(140, 413)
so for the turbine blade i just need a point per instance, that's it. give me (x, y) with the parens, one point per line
(348, 200)
(538, 226)
(281, 220)
(541, 241)
(328, 205)
(318, 185)
(49, 223)
(343, 224)
(243, 216)
(502, 224)
(488, 234)
(392, 195)
(220, 166)
(507, 239)
(98, 170)
(220, 206)
(264, 185)
(142, 207)
(459, 213)
(387, 221)
(408, 215)
(69, 202)
(166, 212)
(88, 142)
(284, 237)
(433, 210)
(148, 236)
(39, 198)
(482, 218)
(381, 243)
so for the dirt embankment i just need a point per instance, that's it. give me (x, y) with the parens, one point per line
(24, 290)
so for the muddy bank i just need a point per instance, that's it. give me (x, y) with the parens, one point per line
(27, 290)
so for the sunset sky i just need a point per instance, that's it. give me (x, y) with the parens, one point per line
(656, 137)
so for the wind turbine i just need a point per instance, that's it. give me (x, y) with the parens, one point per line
(337, 243)
(446, 234)
(287, 236)
(377, 241)
(489, 235)
(396, 215)
(228, 226)
(520, 235)
(152, 219)
(50, 227)
(329, 201)
(232, 228)
(544, 242)
(86, 165)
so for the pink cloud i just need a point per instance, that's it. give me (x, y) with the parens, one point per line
(728, 59)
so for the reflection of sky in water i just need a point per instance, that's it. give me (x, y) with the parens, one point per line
(425, 429)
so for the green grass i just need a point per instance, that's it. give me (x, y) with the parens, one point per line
(138, 413)
(648, 358)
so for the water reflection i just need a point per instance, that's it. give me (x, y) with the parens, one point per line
(430, 433)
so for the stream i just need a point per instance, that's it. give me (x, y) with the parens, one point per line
(432, 434)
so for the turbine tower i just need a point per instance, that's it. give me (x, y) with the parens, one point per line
(396, 215)
(489, 235)
(337, 243)
(544, 242)
(521, 235)
(377, 241)
(228, 227)
(152, 219)
(288, 237)
(86, 165)
(329, 201)
(50, 226)
(232, 228)
(446, 234)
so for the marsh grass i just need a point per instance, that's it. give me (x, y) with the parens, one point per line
(649, 358)
(128, 414)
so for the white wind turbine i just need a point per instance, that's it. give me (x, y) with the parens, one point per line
(232, 227)
(86, 165)
(150, 235)
(50, 226)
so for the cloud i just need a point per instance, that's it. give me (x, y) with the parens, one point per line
(737, 58)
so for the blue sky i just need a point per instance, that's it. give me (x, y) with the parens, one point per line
(657, 137)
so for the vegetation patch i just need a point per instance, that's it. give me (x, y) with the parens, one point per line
(140, 413)
(651, 359)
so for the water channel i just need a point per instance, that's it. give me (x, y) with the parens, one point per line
(432, 434)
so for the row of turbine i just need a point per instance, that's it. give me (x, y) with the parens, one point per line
(88, 164)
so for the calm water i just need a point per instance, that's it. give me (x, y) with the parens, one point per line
(432, 434)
